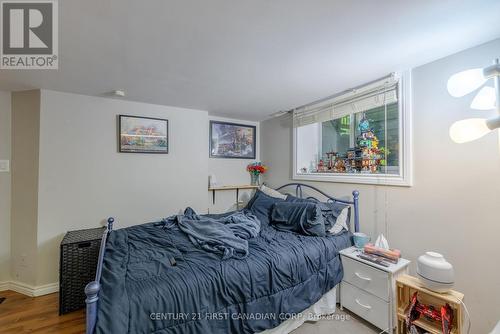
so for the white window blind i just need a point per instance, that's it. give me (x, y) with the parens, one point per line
(372, 95)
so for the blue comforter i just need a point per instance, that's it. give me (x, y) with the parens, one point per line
(227, 235)
(155, 280)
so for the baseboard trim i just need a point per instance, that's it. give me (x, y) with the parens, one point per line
(46, 289)
(23, 288)
(4, 286)
(30, 290)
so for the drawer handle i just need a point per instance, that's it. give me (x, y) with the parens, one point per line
(368, 307)
(363, 277)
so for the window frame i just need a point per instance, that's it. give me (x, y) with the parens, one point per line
(405, 176)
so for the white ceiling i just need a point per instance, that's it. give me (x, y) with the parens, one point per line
(248, 59)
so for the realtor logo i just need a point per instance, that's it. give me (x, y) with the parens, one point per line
(29, 37)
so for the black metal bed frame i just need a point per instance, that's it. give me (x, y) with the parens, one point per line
(92, 289)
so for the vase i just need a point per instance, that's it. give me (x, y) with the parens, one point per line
(255, 179)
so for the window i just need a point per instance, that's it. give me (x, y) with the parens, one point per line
(360, 136)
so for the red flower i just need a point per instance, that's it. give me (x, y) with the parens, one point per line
(256, 168)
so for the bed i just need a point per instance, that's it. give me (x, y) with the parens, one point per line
(152, 279)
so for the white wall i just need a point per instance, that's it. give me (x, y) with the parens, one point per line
(24, 185)
(452, 207)
(68, 174)
(230, 172)
(5, 127)
(83, 179)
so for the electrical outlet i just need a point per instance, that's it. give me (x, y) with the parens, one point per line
(4, 165)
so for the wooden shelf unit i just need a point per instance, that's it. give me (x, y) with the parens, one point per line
(231, 187)
(245, 186)
(407, 285)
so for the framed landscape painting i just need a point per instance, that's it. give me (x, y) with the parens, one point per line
(231, 140)
(143, 134)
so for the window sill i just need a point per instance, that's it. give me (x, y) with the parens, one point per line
(385, 180)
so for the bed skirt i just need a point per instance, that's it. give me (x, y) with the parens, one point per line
(326, 305)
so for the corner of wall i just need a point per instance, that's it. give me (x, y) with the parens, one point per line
(230, 172)
(24, 185)
(5, 187)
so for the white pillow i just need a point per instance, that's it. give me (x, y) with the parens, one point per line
(341, 222)
(271, 192)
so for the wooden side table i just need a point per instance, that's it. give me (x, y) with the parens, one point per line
(407, 286)
(369, 290)
(237, 188)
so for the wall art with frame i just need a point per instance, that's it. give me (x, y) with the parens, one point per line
(138, 134)
(232, 140)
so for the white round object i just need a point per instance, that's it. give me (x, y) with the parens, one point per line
(435, 272)
(435, 286)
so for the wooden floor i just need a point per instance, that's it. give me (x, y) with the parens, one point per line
(22, 314)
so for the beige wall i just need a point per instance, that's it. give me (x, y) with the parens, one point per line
(67, 173)
(5, 127)
(452, 207)
(83, 179)
(231, 172)
(24, 206)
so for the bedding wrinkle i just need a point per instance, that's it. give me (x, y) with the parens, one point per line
(129, 318)
(227, 235)
(286, 292)
(283, 273)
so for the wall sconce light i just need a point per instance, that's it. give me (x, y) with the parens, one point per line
(487, 98)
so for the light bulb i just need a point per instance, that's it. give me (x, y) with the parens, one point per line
(464, 82)
(485, 99)
(468, 129)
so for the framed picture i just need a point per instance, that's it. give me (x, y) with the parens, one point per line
(143, 134)
(231, 140)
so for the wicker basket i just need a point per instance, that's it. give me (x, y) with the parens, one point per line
(78, 261)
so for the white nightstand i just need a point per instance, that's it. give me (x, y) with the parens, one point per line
(369, 290)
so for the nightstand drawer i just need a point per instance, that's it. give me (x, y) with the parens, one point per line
(366, 305)
(367, 278)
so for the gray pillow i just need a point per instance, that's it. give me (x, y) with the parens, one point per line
(300, 217)
(336, 215)
(271, 192)
(261, 205)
